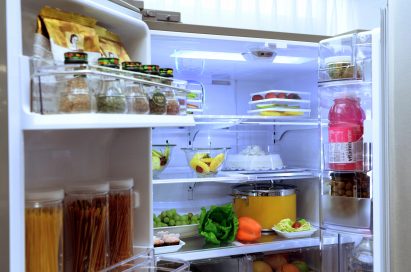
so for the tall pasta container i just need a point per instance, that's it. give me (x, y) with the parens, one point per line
(86, 230)
(44, 230)
(121, 220)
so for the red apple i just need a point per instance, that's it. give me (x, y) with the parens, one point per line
(281, 95)
(293, 96)
(257, 97)
(270, 95)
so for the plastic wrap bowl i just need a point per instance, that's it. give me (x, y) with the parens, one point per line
(205, 162)
(160, 158)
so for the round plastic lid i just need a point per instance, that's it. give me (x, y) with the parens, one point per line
(88, 188)
(45, 195)
(337, 59)
(122, 184)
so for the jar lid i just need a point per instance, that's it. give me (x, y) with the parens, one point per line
(122, 184)
(88, 188)
(150, 69)
(338, 59)
(109, 62)
(166, 72)
(45, 195)
(131, 66)
(75, 58)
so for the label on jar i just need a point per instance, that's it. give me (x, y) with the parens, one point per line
(159, 99)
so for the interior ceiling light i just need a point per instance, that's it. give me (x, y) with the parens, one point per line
(210, 55)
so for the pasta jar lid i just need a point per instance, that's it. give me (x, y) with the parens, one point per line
(85, 188)
(45, 195)
(109, 62)
(166, 72)
(133, 66)
(122, 184)
(75, 58)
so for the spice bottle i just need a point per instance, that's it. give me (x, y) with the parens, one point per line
(110, 97)
(86, 231)
(75, 97)
(173, 106)
(121, 220)
(136, 98)
(44, 230)
(157, 99)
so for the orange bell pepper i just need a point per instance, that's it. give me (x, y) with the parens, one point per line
(249, 230)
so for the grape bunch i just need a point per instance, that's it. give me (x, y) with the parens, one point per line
(170, 218)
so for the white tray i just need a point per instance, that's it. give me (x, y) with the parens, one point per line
(184, 230)
(168, 249)
(296, 234)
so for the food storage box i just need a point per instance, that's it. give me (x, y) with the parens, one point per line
(280, 103)
(346, 57)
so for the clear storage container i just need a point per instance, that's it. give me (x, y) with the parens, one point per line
(121, 220)
(136, 98)
(157, 99)
(86, 232)
(110, 97)
(44, 230)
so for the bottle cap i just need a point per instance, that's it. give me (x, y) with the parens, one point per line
(166, 72)
(150, 69)
(109, 62)
(75, 58)
(45, 195)
(122, 184)
(133, 66)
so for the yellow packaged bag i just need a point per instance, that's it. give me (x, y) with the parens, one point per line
(110, 45)
(68, 32)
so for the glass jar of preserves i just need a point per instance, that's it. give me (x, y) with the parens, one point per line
(350, 184)
(136, 98)
(157, 99)
(44, 230)
(110, 97)
(86, 233)
(121, 220)
(76, 96)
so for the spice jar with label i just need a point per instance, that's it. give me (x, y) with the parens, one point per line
(157, 99)
(173, 106)
(110, 97)
(136, 98)
(75, 97)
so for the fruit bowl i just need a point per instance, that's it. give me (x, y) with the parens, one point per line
(206, 162)
(160, 157)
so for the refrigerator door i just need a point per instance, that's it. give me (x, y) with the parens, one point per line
(397, 114)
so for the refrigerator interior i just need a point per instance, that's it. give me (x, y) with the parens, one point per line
(228, 85)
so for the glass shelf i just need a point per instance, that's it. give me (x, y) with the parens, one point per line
(235, 177)
(197, 249)
(233, 120)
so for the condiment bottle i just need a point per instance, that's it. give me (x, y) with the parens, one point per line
(157, 99)
(136, 98)
(75, 97)
(173, 106)
(110, 97)
(86, 232)
(345, 131)
(44, 230)
(121, 220)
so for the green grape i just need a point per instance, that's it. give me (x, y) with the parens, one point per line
(184, 217)
(176, 217)
(173, 211)
(166, 220)
(163, 214)
(169, 214)
(172, 222)
(179, 223)
(190, 215)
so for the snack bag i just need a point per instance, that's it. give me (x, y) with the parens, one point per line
(110, 45)
(65, 32)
